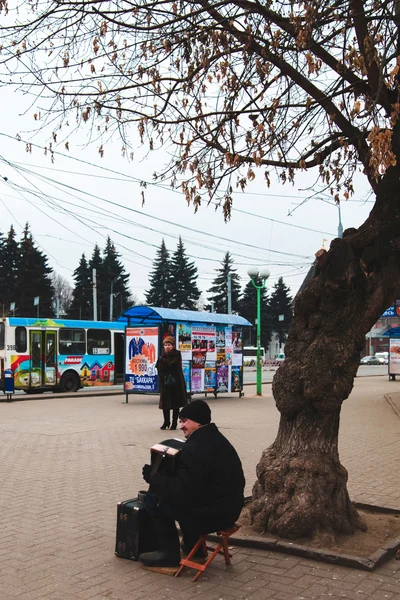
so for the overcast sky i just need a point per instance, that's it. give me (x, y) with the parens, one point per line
(80, 198)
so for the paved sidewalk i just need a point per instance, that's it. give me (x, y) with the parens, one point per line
(66, 462)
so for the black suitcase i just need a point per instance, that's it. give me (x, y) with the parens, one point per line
(135, 531)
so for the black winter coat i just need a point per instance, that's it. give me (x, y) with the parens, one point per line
(170, 363)
(209, 482)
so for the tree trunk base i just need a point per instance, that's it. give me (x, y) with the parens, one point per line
(302, 496)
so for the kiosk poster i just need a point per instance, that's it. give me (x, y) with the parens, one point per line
(228, 356)
(198, 360)
(237, 359)
(228, 345)
(237, 344)
(223, 379)
(185, 340)
(228, 337)
(141, 345)
(220, 336)
(169, 329)
(210, 377)
(186, 374)
(211, 348)
(394, 356)
(236, 379)
(197, 380)
(237, 341)
(221, 357)
(203, 339)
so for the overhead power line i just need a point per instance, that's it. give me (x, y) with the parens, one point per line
(75, 189)
(141, 182)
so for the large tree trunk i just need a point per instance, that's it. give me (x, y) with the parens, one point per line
(301, 485)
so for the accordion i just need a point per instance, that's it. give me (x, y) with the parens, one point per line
(165, 456)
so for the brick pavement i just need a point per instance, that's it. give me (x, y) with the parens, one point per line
(65, 462)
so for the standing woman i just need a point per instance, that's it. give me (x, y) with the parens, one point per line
(172, 382)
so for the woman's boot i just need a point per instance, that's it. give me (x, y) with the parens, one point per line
(175, 414)
(167, 422)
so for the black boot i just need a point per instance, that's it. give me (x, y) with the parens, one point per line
(168, 554)
(175, 414)
(167, 422)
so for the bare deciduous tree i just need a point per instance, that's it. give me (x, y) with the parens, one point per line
(62, 294)
(240, 88)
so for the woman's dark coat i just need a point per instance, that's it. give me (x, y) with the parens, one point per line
(209, 483)
(170, 363)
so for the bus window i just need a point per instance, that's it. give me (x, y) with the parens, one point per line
(99, 341)
(36, 341)
(50, 349)
(251, 352)
(72, 341)
(1, 336)
(20, 339)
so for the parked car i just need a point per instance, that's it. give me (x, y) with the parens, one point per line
(371, 360)
(383, 356)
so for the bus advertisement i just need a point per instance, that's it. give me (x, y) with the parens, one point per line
(61, 354)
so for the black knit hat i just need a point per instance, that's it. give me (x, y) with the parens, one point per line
(197, 411)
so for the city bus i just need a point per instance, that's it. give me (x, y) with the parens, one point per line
(250, 355)
(61, 354)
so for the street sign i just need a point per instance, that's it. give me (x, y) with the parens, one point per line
(392, 311)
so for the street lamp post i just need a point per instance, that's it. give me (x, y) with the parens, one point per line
(112, 298)
(263, 274)
(340, 226)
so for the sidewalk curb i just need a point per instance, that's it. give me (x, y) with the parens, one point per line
(392, 403)
(81, 394)
(254, 384)
(364, 563)
(46, 396)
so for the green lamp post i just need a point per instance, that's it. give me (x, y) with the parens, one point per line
(263, 274)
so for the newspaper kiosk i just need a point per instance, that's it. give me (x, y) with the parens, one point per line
(393, 333)
(211, 345)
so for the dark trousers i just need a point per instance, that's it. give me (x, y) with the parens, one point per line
(192, 523)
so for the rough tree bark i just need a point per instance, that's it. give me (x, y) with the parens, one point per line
(301, 487)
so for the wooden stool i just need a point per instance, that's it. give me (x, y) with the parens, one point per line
(224, 535)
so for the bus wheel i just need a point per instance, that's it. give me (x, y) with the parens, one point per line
(69, 382)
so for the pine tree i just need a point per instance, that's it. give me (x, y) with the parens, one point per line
(9, 257)
(160, 292)
(82, 296)
(34, 279)
(248, 310)
(113, 279)
(185, 292)
(3, 287)
(218, 292)
(281, 310)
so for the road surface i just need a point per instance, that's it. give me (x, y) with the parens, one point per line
(269, 372)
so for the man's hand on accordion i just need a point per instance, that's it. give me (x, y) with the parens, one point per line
(146, 471)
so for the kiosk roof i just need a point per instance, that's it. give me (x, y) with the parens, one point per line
(154, 314)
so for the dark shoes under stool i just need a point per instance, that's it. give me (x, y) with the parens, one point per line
(169, 552)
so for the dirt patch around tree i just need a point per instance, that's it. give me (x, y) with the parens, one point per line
(382, 528)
